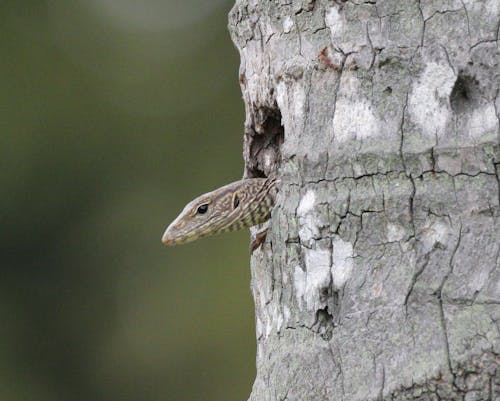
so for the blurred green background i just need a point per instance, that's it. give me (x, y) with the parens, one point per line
(114, 114)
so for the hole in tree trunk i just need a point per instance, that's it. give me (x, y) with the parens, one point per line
(324, 324)
(263, 142)
(464, 95)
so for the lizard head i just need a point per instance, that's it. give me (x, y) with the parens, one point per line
(206, 215)
(191, 222)
(232, 207)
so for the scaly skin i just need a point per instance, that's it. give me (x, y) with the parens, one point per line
(238, 205)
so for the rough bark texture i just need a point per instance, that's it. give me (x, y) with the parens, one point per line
(380, 275)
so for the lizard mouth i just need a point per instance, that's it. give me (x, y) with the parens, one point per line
(167, 241)
(168, 237)
(172, 237)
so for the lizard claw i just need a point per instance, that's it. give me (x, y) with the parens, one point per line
(259, 239)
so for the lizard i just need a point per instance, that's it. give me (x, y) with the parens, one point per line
(241, 204)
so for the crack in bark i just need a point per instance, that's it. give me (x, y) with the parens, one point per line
(422, 37)
(372, 62)
(481, 42)
(414, 279)
(467, 17)
(449, 63)
(440, 300)
(398, 173)
(441, 12)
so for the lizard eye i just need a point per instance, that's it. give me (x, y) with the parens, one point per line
(202, 209)
(236, 200)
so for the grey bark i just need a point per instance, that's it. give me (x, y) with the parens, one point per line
(380, 275)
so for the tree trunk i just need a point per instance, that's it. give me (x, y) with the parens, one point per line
(380, 275)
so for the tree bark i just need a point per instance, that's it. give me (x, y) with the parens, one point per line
(380, 275)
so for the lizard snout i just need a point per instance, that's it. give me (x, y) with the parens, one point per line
(168, 236)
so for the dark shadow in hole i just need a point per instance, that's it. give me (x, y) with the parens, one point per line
(324, 324)
(464, 95)
(265, 140)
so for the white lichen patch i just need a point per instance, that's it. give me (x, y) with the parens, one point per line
(483, 124)
(428, 103)
(281, 96)
(272, 318)
(287, 25)
(299, 100)
(354, 120)
(308, 283)
(341, 262)
(434, 233)
(308, 228)
(333, 20)
(291, 99)
(306, 203)
(395, 232)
